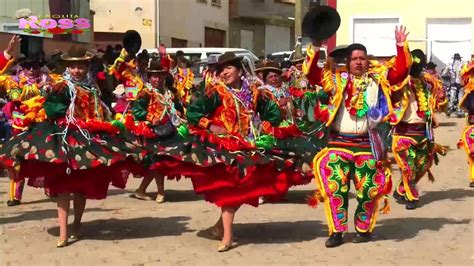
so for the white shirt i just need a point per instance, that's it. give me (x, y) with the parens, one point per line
(346, 123)
(410, 116)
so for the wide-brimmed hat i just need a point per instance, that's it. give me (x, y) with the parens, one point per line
(227, 58)
(76, 53)
(271, 66)
(339, 51)
(297, 56)
(212, 59)
(431, 65)
(132, 42)
(320, 23)
(457, 56)
(155, 67)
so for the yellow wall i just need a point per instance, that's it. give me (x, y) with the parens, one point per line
(119, 16)
(186, 19)
(412, 14)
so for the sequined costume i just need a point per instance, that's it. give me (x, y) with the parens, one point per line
(355, 151)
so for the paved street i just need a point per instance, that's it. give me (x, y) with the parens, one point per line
(125, 231)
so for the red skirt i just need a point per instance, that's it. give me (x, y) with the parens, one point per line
(93, 183)
(223, 187)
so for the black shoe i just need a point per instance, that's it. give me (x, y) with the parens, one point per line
(334, 240)
(362, 238)
(411, 205)
(471, 184)
(12, 203)
(399, 198)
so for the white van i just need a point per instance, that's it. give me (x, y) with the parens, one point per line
(200, 55)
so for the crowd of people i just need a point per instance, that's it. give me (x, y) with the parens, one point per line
(242, 138)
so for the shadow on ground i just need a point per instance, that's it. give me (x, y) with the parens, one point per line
(135, 228)
(40, 215)
(455, 194)
(400, 229)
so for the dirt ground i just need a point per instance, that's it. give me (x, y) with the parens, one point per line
(125, 231)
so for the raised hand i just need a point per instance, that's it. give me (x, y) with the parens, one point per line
(401, 34)
(12, 45)
(162, 49)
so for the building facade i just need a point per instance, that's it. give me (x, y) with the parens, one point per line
(262, 26)
(440, 28)
(175, 23)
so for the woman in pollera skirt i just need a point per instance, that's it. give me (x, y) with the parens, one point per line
(228, 142)
(73, 152)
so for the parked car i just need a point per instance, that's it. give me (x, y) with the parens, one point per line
(280, 56)
(200, 53)
(198, 56)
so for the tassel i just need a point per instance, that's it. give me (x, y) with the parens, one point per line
(430, 176)
(440, 149)
(460, 144)
(314, 198)
(386, 206)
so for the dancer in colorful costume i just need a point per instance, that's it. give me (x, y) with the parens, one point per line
(69, 147)
(155, 117)
(229, 125)
(415, 101)
(303, 112)
(24, 91)
(467, 104)
(358, 102)
(184, 78)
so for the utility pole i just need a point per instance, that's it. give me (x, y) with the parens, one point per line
(298, 19)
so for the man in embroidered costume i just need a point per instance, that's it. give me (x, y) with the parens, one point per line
(358, 102)
(467, 104)
(415, 101)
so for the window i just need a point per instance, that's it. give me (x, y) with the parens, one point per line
(175, 42)
(376, 34)
(214, 37)
(216, 3)
(202, 1)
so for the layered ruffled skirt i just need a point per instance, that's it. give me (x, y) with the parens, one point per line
(73, 160)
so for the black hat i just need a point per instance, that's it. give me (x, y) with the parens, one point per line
(320, 23)
(32, 60)
(431, 65)
(339, 51)
(457, 56)
(132, 42)
(155, 67)
(76, 53)
(228, 58)
(355, 47)
(420, 55)
(143, 56)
